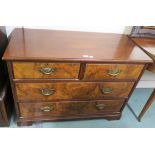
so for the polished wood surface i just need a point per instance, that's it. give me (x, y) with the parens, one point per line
(83, 67)
(33, 70)
(56, 45)
(70, 108)
(151, 68)
(112, 71)
(72, 90)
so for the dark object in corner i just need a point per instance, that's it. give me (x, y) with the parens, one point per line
(5, 105)
(143, 31)
(6, 100)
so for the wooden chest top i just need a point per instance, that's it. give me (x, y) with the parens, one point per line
(56, 45)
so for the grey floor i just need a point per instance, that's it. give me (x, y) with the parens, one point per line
(128, 120)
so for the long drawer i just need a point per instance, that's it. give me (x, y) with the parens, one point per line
(112, 71)
(70, 108)
(45, 70)
(72, 90)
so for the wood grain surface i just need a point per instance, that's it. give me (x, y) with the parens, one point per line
(44, 92)
(70, 108)
(35, 44)
(33, 70)
(72, 90)
(102, 71)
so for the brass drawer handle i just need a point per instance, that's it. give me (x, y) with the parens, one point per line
(47, 70)
(114, 72)
(106, 90)
(100, 106)
(47, 91)
(46, 109)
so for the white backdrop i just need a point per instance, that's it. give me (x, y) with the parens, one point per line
(82, 27)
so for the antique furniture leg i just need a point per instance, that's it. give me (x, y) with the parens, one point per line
(147, 105)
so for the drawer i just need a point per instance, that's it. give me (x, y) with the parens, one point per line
(70, 108)
(46, 70)
(72, 90)
(112, 71)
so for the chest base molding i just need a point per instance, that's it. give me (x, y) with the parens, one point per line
(29, 121)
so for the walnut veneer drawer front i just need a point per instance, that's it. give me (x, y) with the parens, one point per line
(46, 70)
(112, 71)
(70, 108)
(72, 90)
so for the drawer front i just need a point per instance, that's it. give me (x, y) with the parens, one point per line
(46, 70)
(72, 90)
(112, 71)
(70, 108)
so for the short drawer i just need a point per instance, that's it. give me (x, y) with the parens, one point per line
(45, 70)
(112, 71)
(72, 90)
(70, 108)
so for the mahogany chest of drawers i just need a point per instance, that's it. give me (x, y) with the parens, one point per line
(64, 75)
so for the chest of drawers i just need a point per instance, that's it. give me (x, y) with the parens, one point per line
(64, 75)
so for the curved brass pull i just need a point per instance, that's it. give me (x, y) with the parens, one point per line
(46, 108)
(106, 90)
(47, 91)
(100, 106)
(47, 70)
(114, 72)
